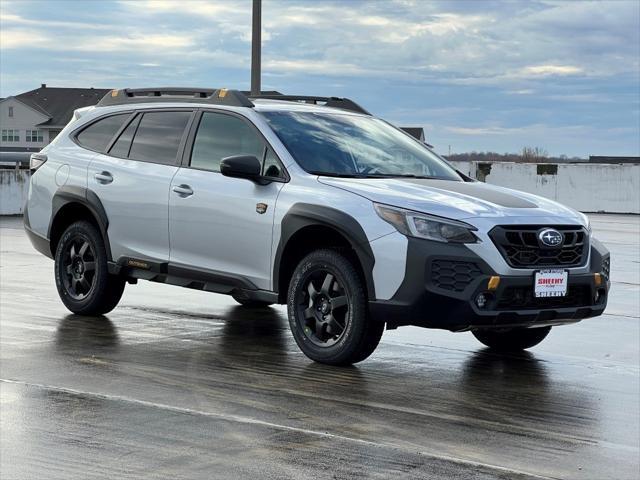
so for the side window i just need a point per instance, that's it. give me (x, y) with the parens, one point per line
(158, 137)
(122, 146)
(219, 136)
(272, 166)
(98, 135)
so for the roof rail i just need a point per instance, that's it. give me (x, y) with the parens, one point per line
(217, 96)
(335, 102)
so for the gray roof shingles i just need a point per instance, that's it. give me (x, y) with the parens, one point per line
(59, 103)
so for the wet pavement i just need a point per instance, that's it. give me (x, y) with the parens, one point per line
(177, 383)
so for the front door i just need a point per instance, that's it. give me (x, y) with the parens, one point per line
(219, 224)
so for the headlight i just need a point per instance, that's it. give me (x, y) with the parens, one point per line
(425, 226)
(587, 222)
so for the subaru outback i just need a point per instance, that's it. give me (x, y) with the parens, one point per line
(310, 202)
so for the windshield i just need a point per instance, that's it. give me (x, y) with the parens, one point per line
(337, 144)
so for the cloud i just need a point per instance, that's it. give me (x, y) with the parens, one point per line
(545, 70)
(482, 130)
(11, 38)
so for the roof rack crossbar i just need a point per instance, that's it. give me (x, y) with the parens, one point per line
(335, 102)
(214, 96)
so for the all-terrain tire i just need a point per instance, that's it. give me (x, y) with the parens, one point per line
(81, 271)
(327, 309)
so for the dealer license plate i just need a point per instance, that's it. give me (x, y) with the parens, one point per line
(551, 283)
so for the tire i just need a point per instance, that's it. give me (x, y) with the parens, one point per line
(512, 340)
(81, 271)
(247, 302)
(327, 308)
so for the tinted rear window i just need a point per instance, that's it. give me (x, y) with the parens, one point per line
(158, 137)
(98, 135)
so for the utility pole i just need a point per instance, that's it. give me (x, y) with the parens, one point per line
(256, 46)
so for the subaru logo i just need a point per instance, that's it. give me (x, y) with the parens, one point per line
(550, 237)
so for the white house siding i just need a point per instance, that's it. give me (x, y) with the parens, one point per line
(24, 118)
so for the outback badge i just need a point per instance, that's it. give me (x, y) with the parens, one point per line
(261, 208)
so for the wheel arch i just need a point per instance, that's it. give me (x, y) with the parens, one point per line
(308, 227)
(70, 204)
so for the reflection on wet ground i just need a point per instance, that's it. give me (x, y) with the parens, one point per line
(183, 384)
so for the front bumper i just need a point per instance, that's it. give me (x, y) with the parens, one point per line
(442, 282)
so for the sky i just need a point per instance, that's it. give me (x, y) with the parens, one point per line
(477, 75)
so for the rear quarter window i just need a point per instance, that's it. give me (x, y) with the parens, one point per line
(98, 135)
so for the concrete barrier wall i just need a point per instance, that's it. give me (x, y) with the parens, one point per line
(585, 187)
(13, 190)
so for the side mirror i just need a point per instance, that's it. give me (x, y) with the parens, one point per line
(242, 166)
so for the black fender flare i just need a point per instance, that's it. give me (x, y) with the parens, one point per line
(87, 198)
(302, 215)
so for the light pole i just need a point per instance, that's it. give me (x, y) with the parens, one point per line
(256, 46)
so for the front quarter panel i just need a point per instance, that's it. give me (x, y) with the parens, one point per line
(351, 214)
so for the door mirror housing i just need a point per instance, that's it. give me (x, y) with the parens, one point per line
(243, 166)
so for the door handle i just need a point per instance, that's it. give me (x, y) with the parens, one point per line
(182, 190)
(104, 177)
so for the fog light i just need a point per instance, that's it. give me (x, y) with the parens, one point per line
(599, 295)
(481, 300)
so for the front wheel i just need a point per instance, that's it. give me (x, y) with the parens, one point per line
(81, 271)
(327, 307)
(512, 340)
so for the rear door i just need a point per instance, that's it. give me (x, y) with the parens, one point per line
(220, 224)
(132, 180)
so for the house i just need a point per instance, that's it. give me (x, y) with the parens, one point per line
(415, 132)
(31, 120)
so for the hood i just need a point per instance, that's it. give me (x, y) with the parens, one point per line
(452, 199)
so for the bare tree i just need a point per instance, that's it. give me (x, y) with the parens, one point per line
(534, 154)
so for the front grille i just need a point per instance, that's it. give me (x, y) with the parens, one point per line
(453, 275)
(514, 298)
(520, 247)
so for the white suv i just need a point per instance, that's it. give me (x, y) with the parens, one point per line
(308, 201)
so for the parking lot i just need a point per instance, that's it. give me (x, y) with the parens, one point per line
(177, 383)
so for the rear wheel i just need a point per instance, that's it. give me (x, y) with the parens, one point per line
(81, 271)
(512, 340)
(328, 312)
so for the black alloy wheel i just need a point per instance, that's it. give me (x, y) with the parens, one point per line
(79, 261)
(323, 309)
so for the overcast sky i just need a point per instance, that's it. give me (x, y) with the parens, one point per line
(564, 76)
